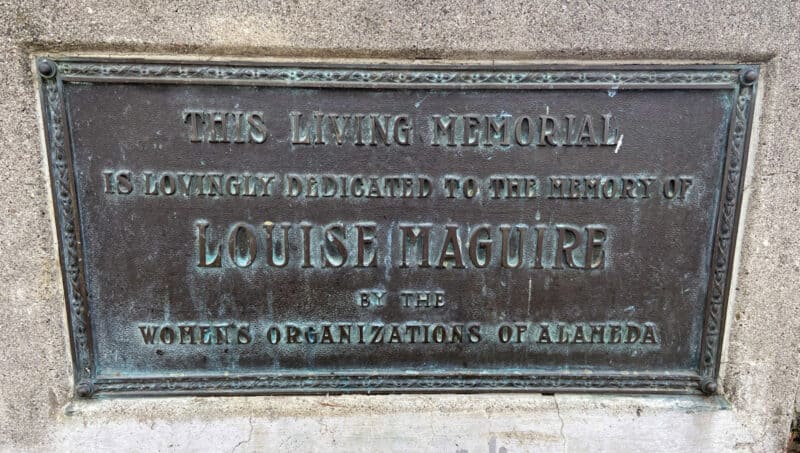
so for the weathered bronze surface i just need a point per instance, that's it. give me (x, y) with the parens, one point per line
(234, 228)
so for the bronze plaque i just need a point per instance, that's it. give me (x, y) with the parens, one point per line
(294, 228)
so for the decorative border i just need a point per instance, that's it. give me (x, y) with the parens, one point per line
(422, 383)
(66, 209)
(739, 78)
(727, 226)
(371, 77)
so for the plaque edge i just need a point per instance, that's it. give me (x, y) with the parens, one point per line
(52, 73)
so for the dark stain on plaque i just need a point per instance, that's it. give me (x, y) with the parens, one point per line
(240, 228)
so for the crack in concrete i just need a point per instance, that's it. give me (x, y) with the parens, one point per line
(783, 173)
(249, 435)
(561, 430)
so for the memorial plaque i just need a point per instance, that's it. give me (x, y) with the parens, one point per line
(295, 228)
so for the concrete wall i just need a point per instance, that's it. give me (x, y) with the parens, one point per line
(760, 373)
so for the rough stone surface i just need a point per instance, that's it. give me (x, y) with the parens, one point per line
(447, 423)
(760, 373)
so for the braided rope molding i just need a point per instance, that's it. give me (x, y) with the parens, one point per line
(726, 226)
(390, 76)
(66, 212)
(366, 383)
